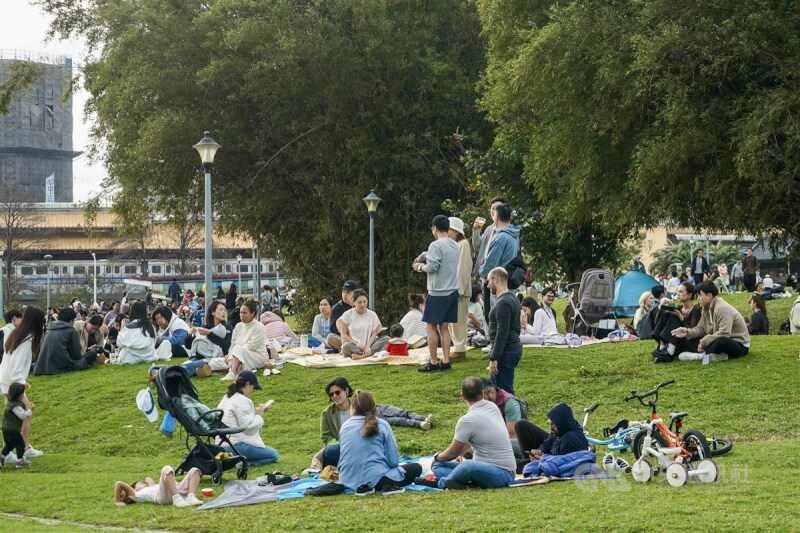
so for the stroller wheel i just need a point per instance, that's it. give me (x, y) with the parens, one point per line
(216, 478)
(241, 472)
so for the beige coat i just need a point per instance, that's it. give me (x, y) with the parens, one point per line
(719, 320)
(83, 335)
(464, 272)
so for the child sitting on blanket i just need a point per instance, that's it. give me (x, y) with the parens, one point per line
(397, 345)
(165, 492)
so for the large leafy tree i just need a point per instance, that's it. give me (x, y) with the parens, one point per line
(314, 103)
(629, 114)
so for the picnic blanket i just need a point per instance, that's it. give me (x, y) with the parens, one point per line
(305, 357)
(584, 342)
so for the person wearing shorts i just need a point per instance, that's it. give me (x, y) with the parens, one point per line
(440, 263)
(166, 492)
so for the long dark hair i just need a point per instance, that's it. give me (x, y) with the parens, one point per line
(761, 304)
(31, 327)
(531, 303)
(236, 386)
(364, 405)
(232, 289)
(415, 301)
(210, 312)
(139, 312)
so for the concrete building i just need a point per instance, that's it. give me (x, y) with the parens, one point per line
(36, 133)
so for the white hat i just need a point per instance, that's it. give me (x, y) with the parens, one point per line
(456, 224)
(146, 404)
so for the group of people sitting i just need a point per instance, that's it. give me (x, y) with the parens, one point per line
(710, 330)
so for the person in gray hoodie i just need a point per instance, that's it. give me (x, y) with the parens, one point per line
(61, 348)
(440, 262)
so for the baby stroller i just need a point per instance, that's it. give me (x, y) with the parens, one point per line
(178, 395)
(593, 302)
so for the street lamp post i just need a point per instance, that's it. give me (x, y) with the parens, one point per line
(94, 277)
(239, 270)
(372, 200)
(48, 258)
(207, 148)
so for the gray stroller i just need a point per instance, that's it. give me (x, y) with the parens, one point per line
(592, 303)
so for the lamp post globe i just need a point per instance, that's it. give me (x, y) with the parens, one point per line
(207, 148)
(372, 200)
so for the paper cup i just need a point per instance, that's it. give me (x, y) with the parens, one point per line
(207, 493)
(304, 341)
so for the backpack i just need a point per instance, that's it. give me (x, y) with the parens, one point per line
(516, 269)
(646, 325)
(523, 407)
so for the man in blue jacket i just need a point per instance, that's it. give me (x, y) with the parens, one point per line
(503, 248)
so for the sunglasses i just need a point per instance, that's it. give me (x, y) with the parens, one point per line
(335, 393)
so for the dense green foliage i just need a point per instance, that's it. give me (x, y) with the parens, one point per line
(682, 252)
(314, 104)
(626, 114)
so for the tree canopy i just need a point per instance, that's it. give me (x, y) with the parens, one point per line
(314, 104)
(629, 114)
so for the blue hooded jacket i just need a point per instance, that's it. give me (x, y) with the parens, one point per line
(570, 436)
(502, 250)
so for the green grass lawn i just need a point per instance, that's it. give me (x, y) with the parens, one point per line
(92, 433)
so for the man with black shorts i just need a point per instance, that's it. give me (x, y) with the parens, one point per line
(440, 262)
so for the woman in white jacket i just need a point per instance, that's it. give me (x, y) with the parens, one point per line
(239, 411)
(248, 343)
(137, 337)
(18, 351)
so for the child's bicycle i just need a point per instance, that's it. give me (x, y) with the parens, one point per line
(680, 456)
(617, 438)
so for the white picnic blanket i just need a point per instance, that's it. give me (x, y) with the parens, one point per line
(585, 342)
(305, 357)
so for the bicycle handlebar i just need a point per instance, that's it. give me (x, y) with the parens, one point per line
(641, 396)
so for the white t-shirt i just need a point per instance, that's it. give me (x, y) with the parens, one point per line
(16, 365)
(360, 327)
(483, 427)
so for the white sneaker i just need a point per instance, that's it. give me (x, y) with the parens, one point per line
(690, 356)
(609, 463)
(715, 358)
(30, 451)
(230, 376)
(191, 499)
(179, 501)
(11, 458)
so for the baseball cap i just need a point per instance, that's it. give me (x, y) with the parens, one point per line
(349, 285)
(146, 404)
(249, 377)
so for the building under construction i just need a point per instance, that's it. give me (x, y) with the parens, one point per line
(36, 134)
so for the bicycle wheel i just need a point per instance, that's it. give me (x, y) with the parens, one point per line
(638, 442)
(719, 446)
(696, 443)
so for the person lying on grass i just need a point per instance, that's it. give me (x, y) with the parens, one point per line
(166, 492)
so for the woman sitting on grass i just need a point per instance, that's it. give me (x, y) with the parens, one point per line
(239, 411)
(759, 323)
(248, 344)
(412, 321)
(137, 338)
(369, 460)
(544, 320)
(339, 393)
(359, 328)
(165, 492)
(687, 315)
(208, 342)
(645, 303)
(321, 327)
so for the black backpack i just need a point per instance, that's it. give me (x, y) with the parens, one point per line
(516, 269)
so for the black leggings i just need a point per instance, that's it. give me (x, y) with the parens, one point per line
(412, 470)
(13, 440)
(662, 332)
